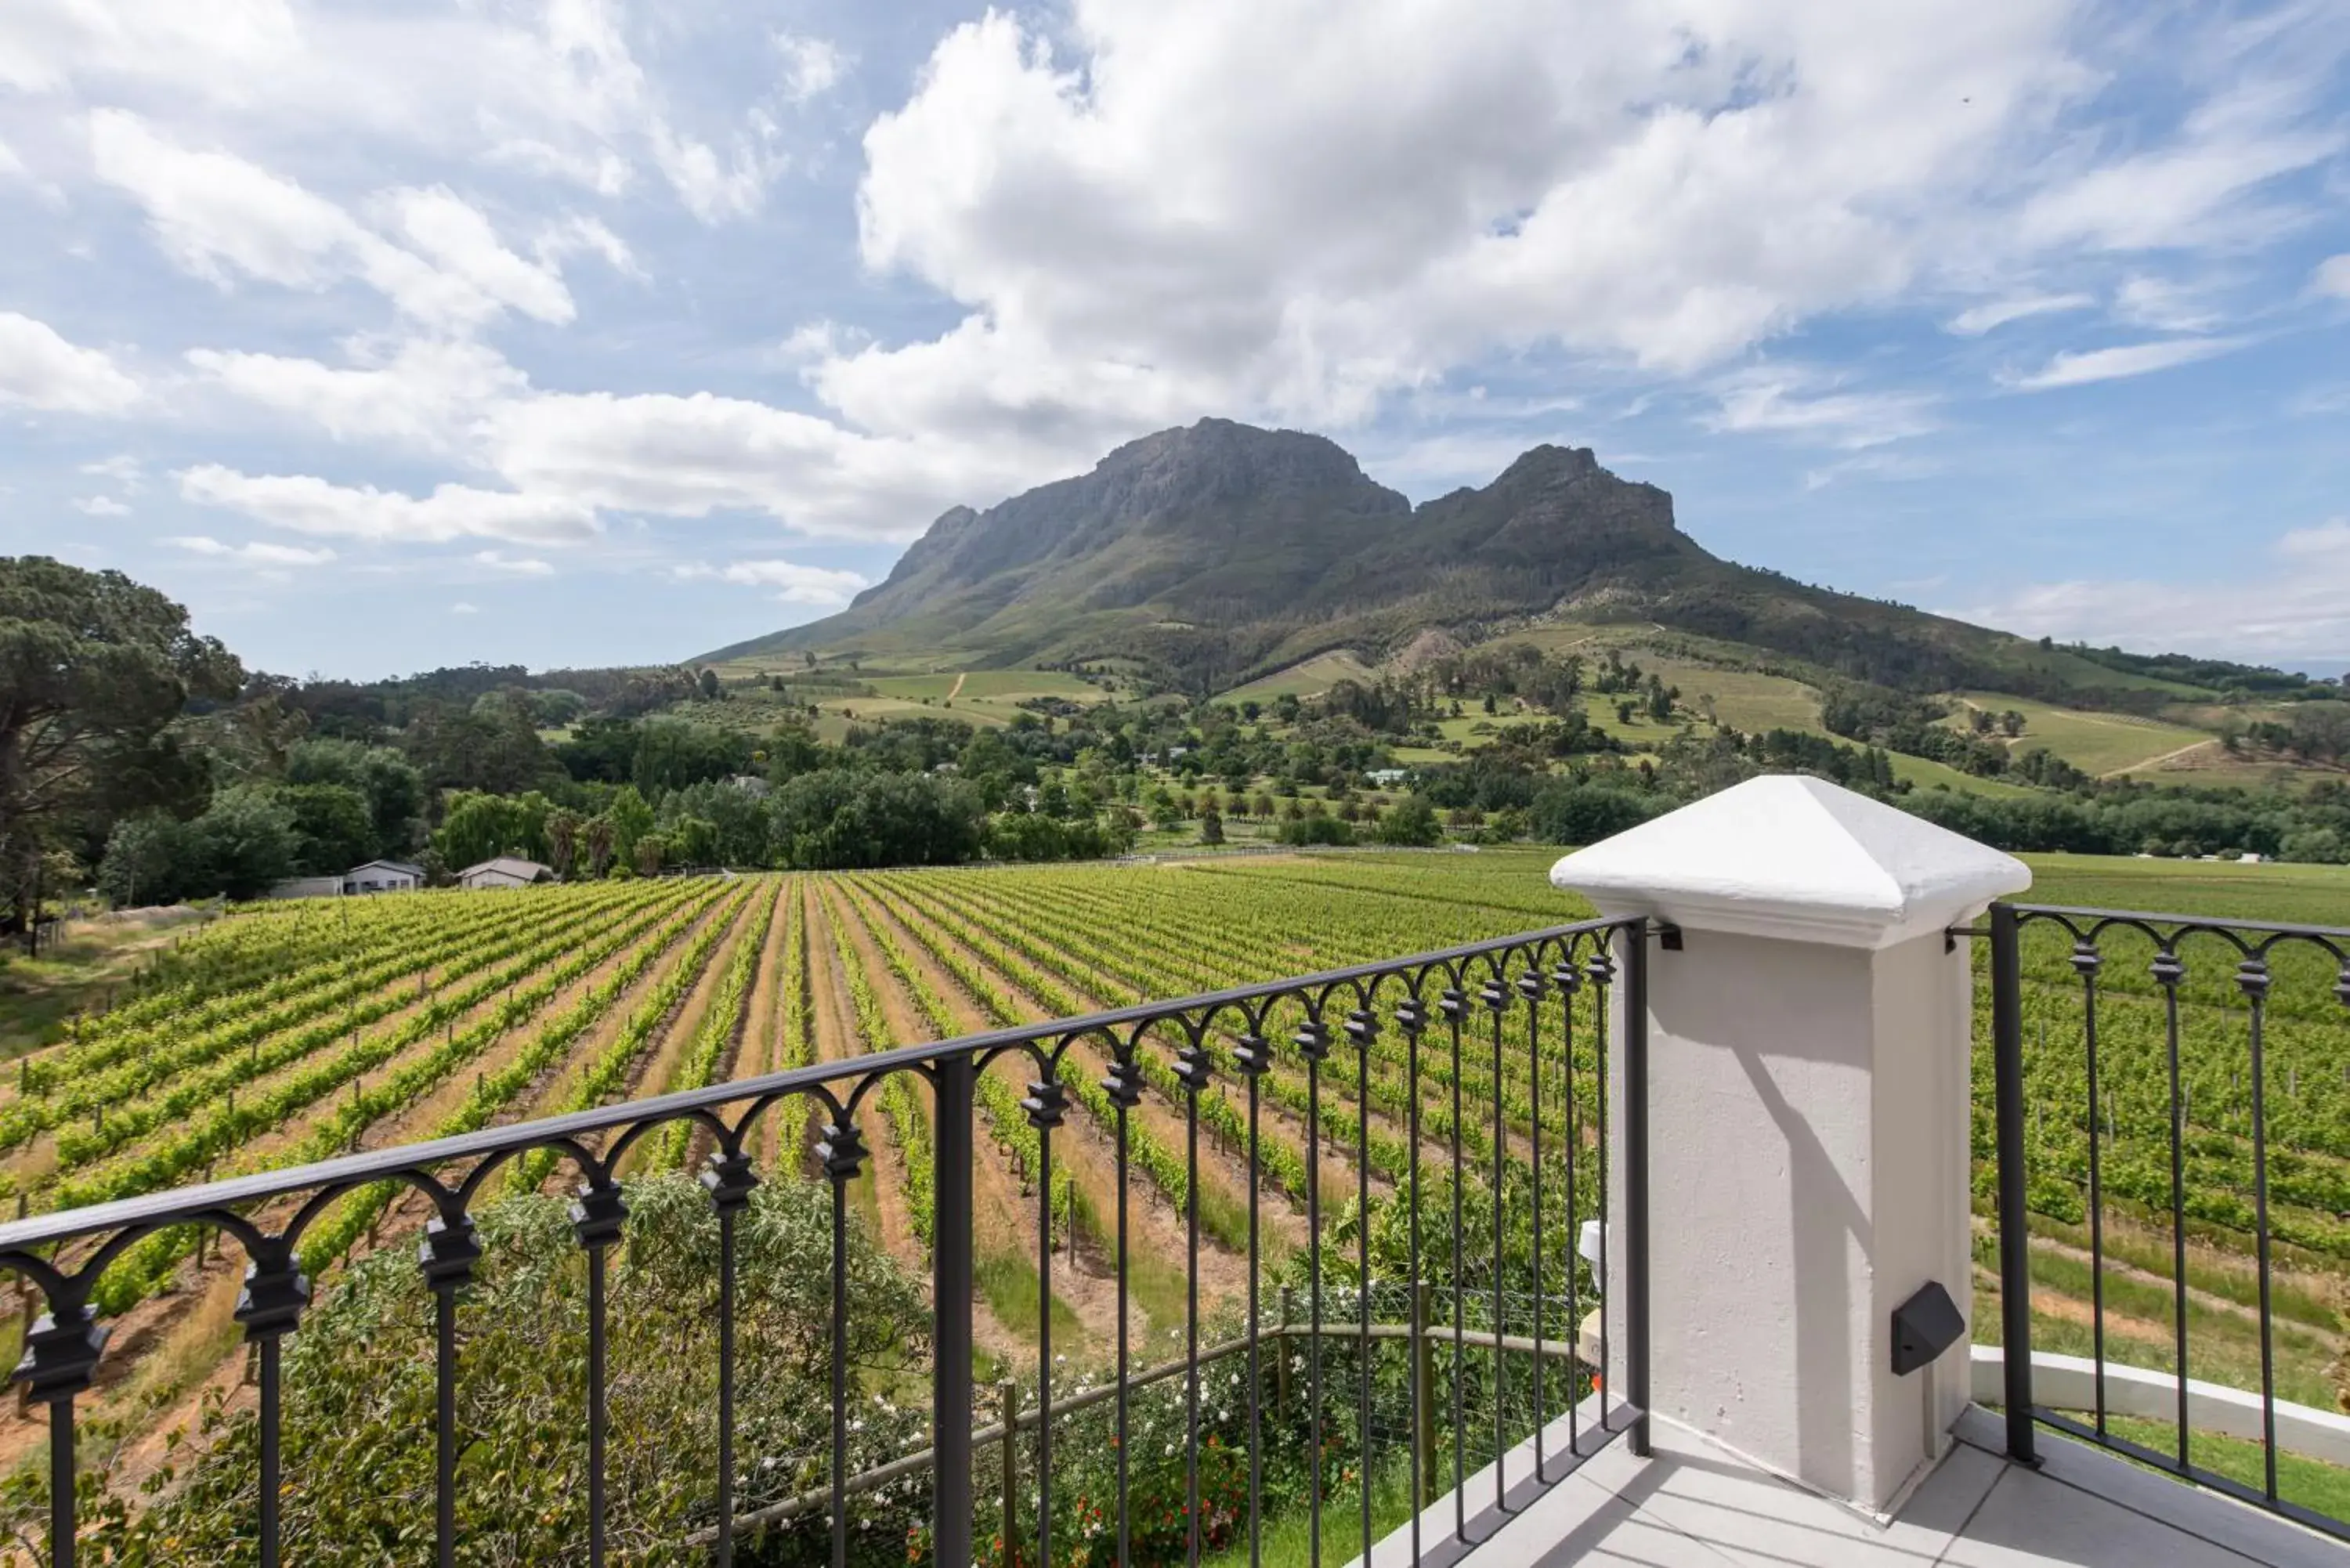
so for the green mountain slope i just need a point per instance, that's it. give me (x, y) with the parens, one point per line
(1208, 559)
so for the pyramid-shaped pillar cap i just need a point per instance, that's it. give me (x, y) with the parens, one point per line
(1793, 857)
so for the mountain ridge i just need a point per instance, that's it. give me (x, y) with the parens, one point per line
(1210, 554)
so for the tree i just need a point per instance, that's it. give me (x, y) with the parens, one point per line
(693, 841)
(710, 689)
(492, 746)
(479, 826)
(244, 843)
(599, 835)
(632, 820)
(834, 818)
(672, 753)
(1212, 825)
(648, 855)
(146, 858)
(332, 828)
(94, 669)
(393, 789)
(1411, 823)
(1568, 812)
(562, 825)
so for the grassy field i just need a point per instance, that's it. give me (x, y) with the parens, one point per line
(1307, 678)
(2308, 895)
(1924, 773)
(93, 960)
(2098, 744)
(1747, 699)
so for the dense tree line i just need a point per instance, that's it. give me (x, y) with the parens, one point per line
(137, 755)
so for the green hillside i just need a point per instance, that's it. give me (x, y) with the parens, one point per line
(1265, 567)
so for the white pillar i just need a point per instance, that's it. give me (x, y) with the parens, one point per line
(1808, 1064)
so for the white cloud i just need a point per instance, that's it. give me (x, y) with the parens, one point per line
(2166, 305)
(259, 553)
(520, 566)
(45, 43)
(2203, 190)
(2072, 370)
(462, 608)
(306, 504)
(2333, 277)
(445, 229)
(220, 216)
(1976, 320)
(812, 66)
(576, 235)
(690, 456)
(715, 189)
(2298, 608)
(213, 212)
(420, 394)
(40, 369)
(1883, 465)
(799, 585)
(1662, 185)
(550, 88)
(122, 469)
(101, 506)
(1798, 402)
(577, 454)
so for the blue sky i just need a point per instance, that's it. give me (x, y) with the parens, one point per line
(394, 333)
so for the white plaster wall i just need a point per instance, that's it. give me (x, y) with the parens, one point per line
(1808, 1172)
(1924, 998)
(1760, 1167)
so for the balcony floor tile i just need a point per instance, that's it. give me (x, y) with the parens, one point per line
(1693, 1505)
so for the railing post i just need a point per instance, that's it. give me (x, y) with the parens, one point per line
(1423, 1394)
(1636, 1180)
(950, 1289)
(2014, 1240)
(1010, 1391)
(1788, 1143)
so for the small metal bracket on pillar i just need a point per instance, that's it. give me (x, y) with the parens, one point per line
(1668, 935)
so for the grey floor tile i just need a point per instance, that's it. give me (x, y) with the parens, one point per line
(2032, 1521)
(1580, 1524)
(1758, 1519)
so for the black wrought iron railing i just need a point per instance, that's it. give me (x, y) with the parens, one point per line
(2168, 1153)
(1432, 1317)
